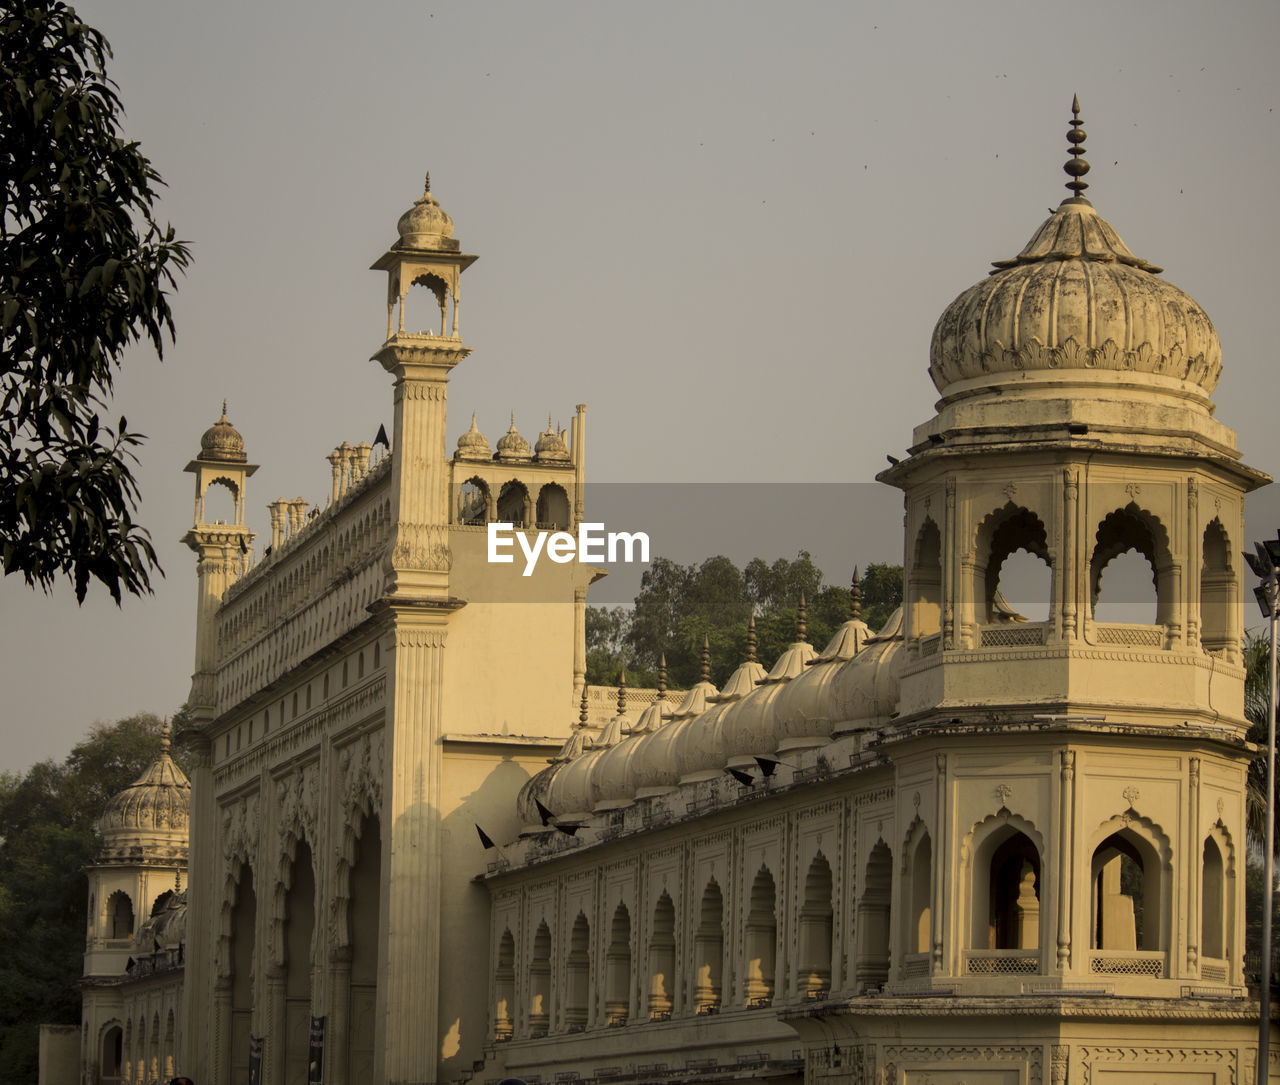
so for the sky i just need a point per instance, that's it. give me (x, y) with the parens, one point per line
(728, 228)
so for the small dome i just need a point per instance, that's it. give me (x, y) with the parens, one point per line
(1074, 301)
(512, 448)
(551, 447)
(222, 441)
(152, 811)
(426, 225)
(473, 445)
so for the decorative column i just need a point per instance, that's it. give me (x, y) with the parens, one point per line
(1066, 858)
(1068, 576)
(1194, 594)
(950, 557)
(941, 851)
(1194, 859)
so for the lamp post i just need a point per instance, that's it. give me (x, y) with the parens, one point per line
(1264, 564)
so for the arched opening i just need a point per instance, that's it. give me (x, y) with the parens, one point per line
(553, 507)
(244, 917)
(1131, 552)
(473, 502)
(161, 902)
(1126, 894)
(814, 980)
(153, 1058)
(514, 506)
(1217, 593)
(1013, 894)
(119, 915)
(872, 967)
(362, 918)
(170, 1046)
(111, 1058)
(1015, 574)
(140, 1053)
(540, 983)
(919, 897)
(440, 289)
(617, 979)
(578, 977)
(662, 960)
(761, 940)
(708, 951)
(1213, 903)
(926, 582)
(218, 502)
(504, 988)
(299, 928)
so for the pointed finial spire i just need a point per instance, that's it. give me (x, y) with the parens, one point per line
(224, 410)
(662, 677)
(800, 622)
(706, 658)
(751, 639)
(164, 736)
(582, 711)
(426, 185)
(1076, 167)
(622, 692)
(855, 596)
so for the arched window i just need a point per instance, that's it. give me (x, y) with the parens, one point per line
(161, 901)
(617, 996)
(540, 983)
(1013, 883)
(1217, 593)
(919, 897)
(553, 507)
(1213, 903)
(1127, 899)
(578, 969)
(1014, 575)
(473, 502)
(170, 1047)
(119, 915)
(926, 582)
(662, 960)
(504, 988)
(872, 968)
(111, 1059)
(513, 504)
(708, 951)
(761, 940)
(815, 930)
(1131, 556)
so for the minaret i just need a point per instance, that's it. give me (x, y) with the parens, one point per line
(425, 254)
(222, 549)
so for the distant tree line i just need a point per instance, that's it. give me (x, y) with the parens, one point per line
(681, 606)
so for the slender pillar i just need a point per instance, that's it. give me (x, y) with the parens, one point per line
(1066, 859)
(1068, 577)
(1194, 859)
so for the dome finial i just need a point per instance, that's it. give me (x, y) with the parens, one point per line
(164, 728)
(582, 711)
(801, 626)
(426, 185)
(1076, 167)
(622, 692)
(855, 596)
(751, 639)
(706, 658)
(224, 411)
(662, 677)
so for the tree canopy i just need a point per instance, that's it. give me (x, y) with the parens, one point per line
(47, 836)
(84, 272)
(681, 605)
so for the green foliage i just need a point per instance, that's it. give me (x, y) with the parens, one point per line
(84, 269)
(47, 836)
(680, 606)
(1257, 692)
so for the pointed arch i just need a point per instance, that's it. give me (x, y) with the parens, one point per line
(540, 982)
(1218, 938)
(617, 996)
(553, 507)
(662, 959)
(578, 976)
(871, 969)
(925, 583)
(1003, 533)
(1134, 528)
(120, 916)
(474, 501)
(504, 987)
(816, 912)
(1131, 886)
(1218, 592)
(761, 939)
(514, 506)
(708, 950)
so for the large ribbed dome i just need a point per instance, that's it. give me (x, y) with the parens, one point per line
(222, 441)
(153, 810)
(1074, 299)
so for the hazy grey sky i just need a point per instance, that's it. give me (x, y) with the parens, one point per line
(726, 227)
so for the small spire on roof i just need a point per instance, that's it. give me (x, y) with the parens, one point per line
(751, 639)
(662, 677)
(164, 736)
(582, 712)
(224, 410)
(622, 693)
(426, 185)
(800, 622)
(855, 596)
(1076, 167)
(706, 658)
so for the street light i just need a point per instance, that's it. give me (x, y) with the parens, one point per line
(1264, 564)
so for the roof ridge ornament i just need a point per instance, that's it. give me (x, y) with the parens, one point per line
(706, 658)
(751, 639)
(1076, 167)
(855, 596)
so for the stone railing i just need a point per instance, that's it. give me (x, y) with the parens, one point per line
(1126, 962)
(1002, 962)
(1125, 635)
(1013, 635)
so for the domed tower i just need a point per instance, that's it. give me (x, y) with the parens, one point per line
(141, 866)
(425, 254)
(1073, 785)
(221, 547)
